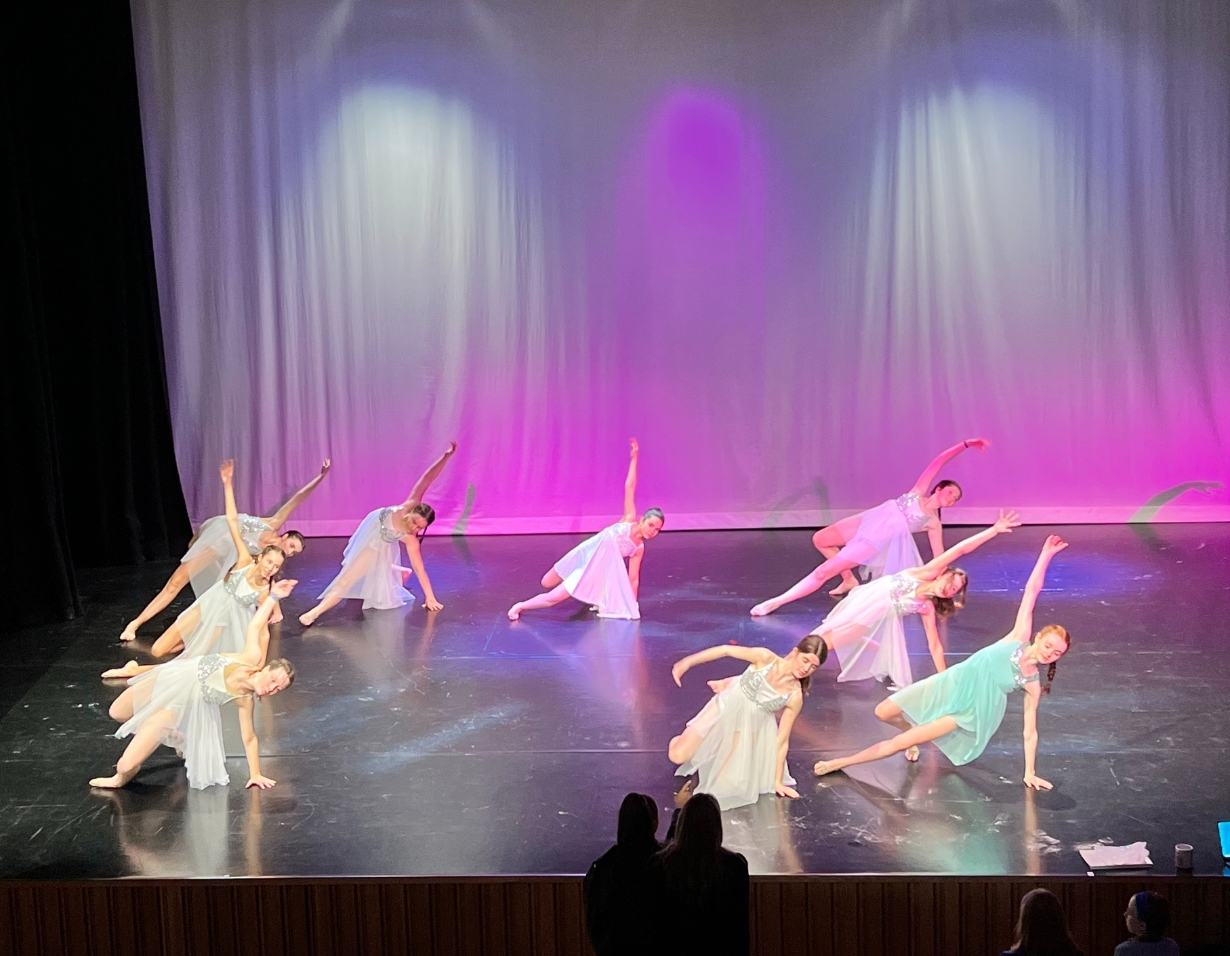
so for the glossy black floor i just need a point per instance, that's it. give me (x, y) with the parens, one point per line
(458, 743)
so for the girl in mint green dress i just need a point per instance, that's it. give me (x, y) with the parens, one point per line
(961, 708)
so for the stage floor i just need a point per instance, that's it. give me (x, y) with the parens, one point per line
(461, 743)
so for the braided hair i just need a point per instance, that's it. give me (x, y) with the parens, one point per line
(1063, 635)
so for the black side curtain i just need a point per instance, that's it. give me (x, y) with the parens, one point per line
(89, 467)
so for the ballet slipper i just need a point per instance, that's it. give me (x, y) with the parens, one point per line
(128, 670)
(114, 782)
(128, 634)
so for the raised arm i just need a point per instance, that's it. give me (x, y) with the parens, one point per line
(925, 480)
(753, 655)
(227, 472)
(630, 484)
(415, 553)
(256, 641)
(937, 566)
(430, 475)
(1033, 587)
(282, 515)
(784, 726)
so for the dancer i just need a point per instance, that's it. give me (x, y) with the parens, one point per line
(866, 629)
(734, 744)
(370, 568)
(212, 552)
(216, 622)
(593, 571)
(177, 704)
(881, 539)
(961, 708)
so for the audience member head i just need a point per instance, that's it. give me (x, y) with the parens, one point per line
(638, 823)
(1041, 929)
(1148, 917)
(691, 859)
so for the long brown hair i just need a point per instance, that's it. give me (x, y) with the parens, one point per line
(1041, 928)
(811, 644)
(1067, 640)
(944, 606)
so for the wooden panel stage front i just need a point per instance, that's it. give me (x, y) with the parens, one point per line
(544, 916)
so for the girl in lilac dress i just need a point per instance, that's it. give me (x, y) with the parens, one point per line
(594, 570)
(881, 539)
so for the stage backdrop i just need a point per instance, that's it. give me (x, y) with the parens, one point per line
(795, 248)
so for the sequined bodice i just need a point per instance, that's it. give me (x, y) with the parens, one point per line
(623, 539)
(1019, 679)
(755, 686)
(388, 533)
(901, 593)
(909, 505)
(237, 586)
(251, 529)
(211, 672)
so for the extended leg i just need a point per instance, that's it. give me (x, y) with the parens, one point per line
(829, 541)
(144, 742)
(894, 745)
(554, 596)
(341, 587)
(810, 584)
(169, 592)
(131, 669)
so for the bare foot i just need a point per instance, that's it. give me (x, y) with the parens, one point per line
(824, 767)
(129, 633)
(514, 612)
(911, 755)
(113, 782)
(765, 608)
(844, 588)
(128, 670)
(307, 620)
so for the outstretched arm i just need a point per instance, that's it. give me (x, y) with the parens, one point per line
(937, 566)
(1032, 695)
(753, 655)
(784, 726)
(430, 475)
(923, 485)
(227, 471)
(282, 515)
(1033, 587)
(251, 746)
(256, 641)
(415, 553)
(934, 644)
(630, 484)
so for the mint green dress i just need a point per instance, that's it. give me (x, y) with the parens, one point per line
(973, 692)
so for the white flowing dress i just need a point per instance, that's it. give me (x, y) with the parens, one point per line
(369, 564)
(594, 572)
(184, 696)
(226, 610)
(737, 760)
(867, 632)
(216, 550)
(884, 543)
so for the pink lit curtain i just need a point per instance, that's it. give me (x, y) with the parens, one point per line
(795, 248)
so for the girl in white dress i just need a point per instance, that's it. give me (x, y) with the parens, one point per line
(594, 571)
(177, 703)
(217, 622)
(734, 744)
(371, 566)
(213, 552)
(866, 629)
(882, 538)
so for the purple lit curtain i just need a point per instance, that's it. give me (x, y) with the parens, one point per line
(795, 248)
